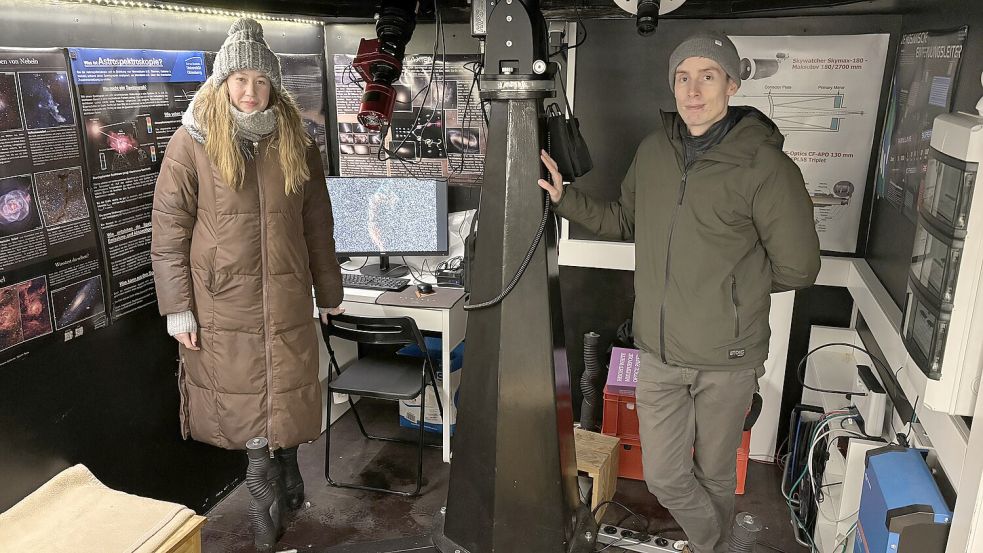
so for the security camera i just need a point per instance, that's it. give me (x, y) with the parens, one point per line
(647, 12)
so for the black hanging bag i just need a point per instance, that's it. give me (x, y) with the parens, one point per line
(565, 143)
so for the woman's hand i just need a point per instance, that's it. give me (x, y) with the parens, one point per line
(330, 312)
(188, 340)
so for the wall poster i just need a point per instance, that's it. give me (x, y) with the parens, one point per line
(51, 287)
(132, 102)
(437, 131)
(823, 93)
(924, 84)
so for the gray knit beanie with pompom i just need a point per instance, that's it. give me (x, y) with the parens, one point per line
(245, 48)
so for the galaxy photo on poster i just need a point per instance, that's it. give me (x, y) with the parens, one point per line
(120, 146)
(47, 99)
(10, 119)
(61, 196)
(442, 100)
(11, 331)
(463, 140)
(77, 302)
(18, 206)
(35, 313)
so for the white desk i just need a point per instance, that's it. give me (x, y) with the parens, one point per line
(450, 323)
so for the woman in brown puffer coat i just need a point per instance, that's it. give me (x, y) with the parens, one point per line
(242, 229)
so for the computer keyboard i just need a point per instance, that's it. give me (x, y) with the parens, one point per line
(352, 280)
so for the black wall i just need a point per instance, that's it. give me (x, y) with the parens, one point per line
(892, 235)
(109, 400)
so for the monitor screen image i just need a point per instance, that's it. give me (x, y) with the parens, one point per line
(389, 216)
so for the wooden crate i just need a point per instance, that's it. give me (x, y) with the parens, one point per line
(597, 455)
(187, 538)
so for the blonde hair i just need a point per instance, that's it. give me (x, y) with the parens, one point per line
(222, 144)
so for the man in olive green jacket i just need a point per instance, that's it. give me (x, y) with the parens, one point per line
(721, 218)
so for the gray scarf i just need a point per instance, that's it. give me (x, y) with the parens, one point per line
(251, 127)
(254, 126)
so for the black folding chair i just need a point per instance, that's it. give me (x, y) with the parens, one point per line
(393, 377)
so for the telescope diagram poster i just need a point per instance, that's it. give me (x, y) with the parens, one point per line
(132, 103)
(823, 93)
(51, 287)
(437, 129)
(924, 82)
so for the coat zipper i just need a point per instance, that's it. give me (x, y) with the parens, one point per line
(266, 322)
(733, 297)
(665, 284)
(183, 391)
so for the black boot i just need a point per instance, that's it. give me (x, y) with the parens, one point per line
(262, 480)
(292, 481)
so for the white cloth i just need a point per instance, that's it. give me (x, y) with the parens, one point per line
(76, 513)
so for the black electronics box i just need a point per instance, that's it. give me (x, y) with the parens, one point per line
(453, 278)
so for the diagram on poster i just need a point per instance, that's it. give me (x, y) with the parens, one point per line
(822, 92)
(437, 128)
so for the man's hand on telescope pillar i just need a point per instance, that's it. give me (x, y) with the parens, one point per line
(555, 188)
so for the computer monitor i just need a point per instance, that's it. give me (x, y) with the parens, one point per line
(385, 216)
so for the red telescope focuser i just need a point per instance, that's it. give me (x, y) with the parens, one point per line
(378, 69)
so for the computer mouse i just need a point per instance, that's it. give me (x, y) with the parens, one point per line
(424, 288)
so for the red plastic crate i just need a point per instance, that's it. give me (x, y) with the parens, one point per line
(620, 418)
(630, 461)
(743, 454)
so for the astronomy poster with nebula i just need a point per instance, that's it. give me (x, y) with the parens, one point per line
(437, 128)
(132, 102)
(51, 286)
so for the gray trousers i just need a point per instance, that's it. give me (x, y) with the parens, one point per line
(690, 425)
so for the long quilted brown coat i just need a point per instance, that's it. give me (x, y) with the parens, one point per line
(243, 262)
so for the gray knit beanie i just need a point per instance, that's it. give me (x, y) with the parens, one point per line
(712, 45)
(245, 48)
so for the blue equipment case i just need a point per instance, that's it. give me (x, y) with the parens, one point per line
(901, 507)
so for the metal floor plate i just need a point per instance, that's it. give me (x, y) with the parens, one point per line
(421, 544)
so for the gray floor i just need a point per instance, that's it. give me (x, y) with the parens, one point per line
(341, 517)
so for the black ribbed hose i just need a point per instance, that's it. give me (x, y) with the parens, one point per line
(590, 385)
(262, 475)
(745, 533)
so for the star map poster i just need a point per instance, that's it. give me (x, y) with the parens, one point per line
(131, 103)
(51, 287)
